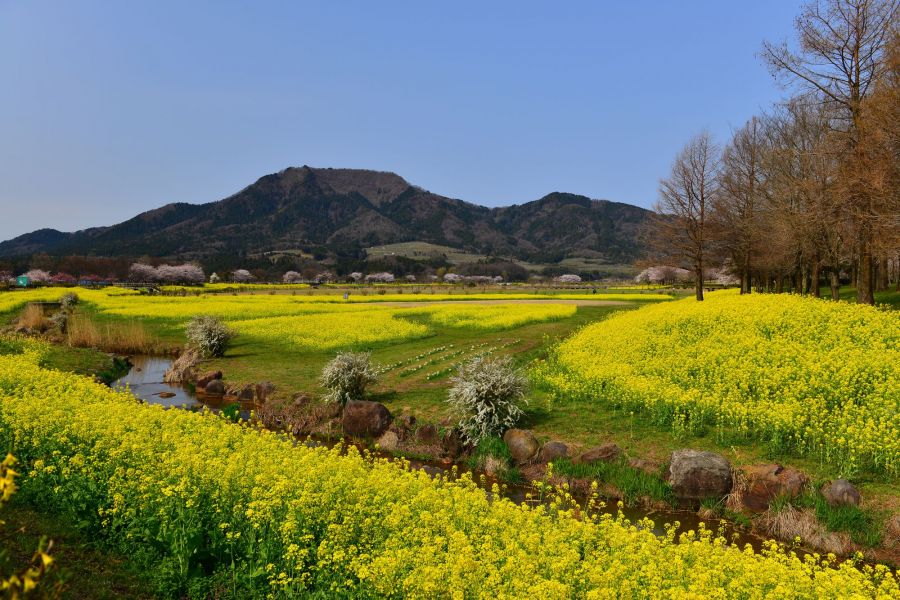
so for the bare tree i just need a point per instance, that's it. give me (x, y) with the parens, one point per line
(801, 162)
(737, 206)
(840, 57)
(685, 200)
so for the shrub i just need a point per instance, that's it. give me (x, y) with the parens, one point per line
(68, 300)
(292, 277)
(209, 335)
(347, 375)
(487, 393)
(59, 320)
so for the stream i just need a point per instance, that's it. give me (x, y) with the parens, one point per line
(145, 381)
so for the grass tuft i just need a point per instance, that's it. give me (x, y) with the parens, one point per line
(634, 484)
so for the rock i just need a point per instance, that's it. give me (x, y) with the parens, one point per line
(609, 452)
(554, 451)
(264, 390)
(363, 418)
(763, 483)
(427, 434)
(183, 369)
(696, 475)
(166, 394)
(216, 387)
(245, 393)
(841, 492)
(207, 377)
(452, 443)
(523, 446)
(389, 441)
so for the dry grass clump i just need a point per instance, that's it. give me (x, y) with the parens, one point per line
(121, 338)
(33, 318)
(788, 523)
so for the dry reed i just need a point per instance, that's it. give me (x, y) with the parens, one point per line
(119, 337)
(33, 318)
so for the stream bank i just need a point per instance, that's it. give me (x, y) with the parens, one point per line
(146, 381)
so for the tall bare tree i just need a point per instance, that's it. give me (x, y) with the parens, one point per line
(685, 200)
(737, 206)
(840, 56)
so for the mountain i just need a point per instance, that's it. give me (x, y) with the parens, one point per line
(340, 212)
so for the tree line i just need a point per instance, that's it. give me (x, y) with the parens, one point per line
(809, 190)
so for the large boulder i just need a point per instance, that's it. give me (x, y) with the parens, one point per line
(204, 379)
(609, 452)
(523, 446)
(841, 492)
(554, 451)
(761, 484)
(696, 475)
(216, 387)
(363, 418)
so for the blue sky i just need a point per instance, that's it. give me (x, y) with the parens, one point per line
(111, 108)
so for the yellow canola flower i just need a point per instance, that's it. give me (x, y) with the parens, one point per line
(284, 520)
(805, 375)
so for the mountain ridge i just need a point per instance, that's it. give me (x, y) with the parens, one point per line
(340, 212)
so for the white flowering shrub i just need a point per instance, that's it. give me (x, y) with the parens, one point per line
(487, 394)
(663, 274)
(141, 273)
(568, 278)
(38, 276)
(214, 278)
(69, 300)
(242, 276)
(380, 278)
(292, 277)
(356, 276)
(453, 278)
(209, 335)
(347, 375)
(186, 273)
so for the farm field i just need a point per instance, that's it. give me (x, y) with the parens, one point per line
(650, 372)
(265, 518)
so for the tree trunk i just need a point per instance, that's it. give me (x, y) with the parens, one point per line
(897, 273)
(835, 281)
(882, 274)
(779, 283)
(815, 288)
(865, 292)
(698, 286)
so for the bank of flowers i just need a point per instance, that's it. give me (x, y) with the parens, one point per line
(200, 501)
(804, 375)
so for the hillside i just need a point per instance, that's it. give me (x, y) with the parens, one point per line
(341, 212)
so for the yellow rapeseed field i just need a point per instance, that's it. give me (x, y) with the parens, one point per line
(190, 494)
(806, 375)
(493, 316)
(331, 330)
